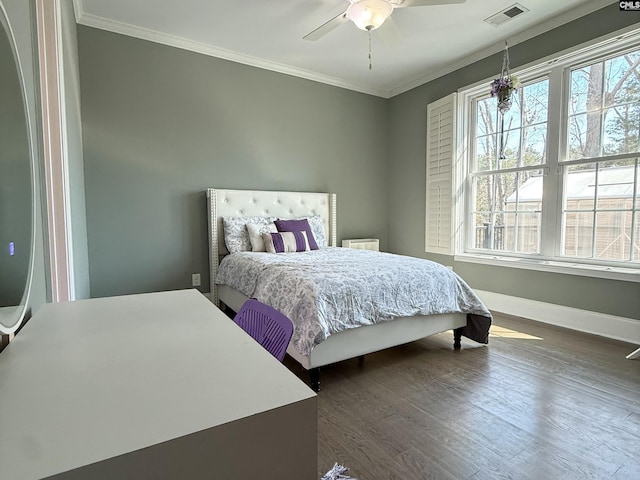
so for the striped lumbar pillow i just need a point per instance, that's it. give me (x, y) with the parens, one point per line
(284, 242)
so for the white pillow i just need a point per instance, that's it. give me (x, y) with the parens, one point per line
(255, 235)
(236, 235)
(316, 223)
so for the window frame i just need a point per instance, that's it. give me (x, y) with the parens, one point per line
(557, 69)
(544, 167)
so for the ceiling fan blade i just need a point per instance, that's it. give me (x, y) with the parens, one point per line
(327, 27)
(426, 3)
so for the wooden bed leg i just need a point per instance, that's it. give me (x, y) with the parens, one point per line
(314, 377)
(457, 337)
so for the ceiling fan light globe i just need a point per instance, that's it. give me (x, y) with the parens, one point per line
(369, 14)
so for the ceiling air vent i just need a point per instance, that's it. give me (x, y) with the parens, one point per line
(506, 14)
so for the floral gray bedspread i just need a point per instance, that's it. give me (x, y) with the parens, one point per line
(332, 289)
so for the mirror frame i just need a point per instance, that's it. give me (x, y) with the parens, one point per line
(17, 316)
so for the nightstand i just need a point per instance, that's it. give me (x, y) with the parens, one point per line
(362, 243)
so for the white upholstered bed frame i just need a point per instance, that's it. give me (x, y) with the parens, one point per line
(344, 345)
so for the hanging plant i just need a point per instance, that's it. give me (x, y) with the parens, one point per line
(503, 88)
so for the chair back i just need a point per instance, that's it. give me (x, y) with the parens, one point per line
(269, 327)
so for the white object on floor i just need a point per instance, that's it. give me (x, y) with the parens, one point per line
(634, 355)
(337, 473)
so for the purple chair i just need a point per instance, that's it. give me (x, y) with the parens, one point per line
(266, 325)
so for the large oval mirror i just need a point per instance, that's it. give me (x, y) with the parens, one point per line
(16, 187)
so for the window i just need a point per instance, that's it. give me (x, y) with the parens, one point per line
(561, 184)
(600, 215)
(505, 170)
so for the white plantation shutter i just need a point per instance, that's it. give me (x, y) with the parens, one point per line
(441, 152)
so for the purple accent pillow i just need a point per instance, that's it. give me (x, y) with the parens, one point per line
(284, 242)
(299, 225)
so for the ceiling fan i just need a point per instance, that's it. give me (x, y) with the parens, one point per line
(370, 14)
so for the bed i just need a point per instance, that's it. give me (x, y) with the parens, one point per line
(471, 320)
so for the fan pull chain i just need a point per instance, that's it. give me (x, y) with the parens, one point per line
(369, 30)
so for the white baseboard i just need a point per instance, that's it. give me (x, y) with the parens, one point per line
(609, 326)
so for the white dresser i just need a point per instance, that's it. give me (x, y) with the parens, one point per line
(154, 386)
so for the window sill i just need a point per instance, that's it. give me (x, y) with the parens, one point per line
(568, 268)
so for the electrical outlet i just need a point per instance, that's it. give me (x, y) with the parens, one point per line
(195, 280)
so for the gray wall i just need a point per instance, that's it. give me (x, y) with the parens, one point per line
(160, 125)
(407, 178)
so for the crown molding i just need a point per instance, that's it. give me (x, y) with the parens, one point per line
(205, 49)
(78, 9)
(101, 23)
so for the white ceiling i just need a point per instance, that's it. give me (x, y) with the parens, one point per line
(419, 44)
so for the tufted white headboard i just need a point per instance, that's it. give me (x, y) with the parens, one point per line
(238, 203)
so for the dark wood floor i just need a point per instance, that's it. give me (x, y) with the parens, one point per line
(539, 403)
